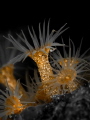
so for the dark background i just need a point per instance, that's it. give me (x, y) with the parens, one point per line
(18, 15)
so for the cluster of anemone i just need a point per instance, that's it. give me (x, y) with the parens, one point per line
(63, 76)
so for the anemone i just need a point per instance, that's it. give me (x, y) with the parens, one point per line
(6, 68)
(70, 69)
(39, 53)
(10, 102)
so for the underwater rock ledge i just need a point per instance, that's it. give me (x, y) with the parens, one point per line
(72, 106)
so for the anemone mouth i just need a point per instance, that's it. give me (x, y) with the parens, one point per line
(13, 105)
(66, 76)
